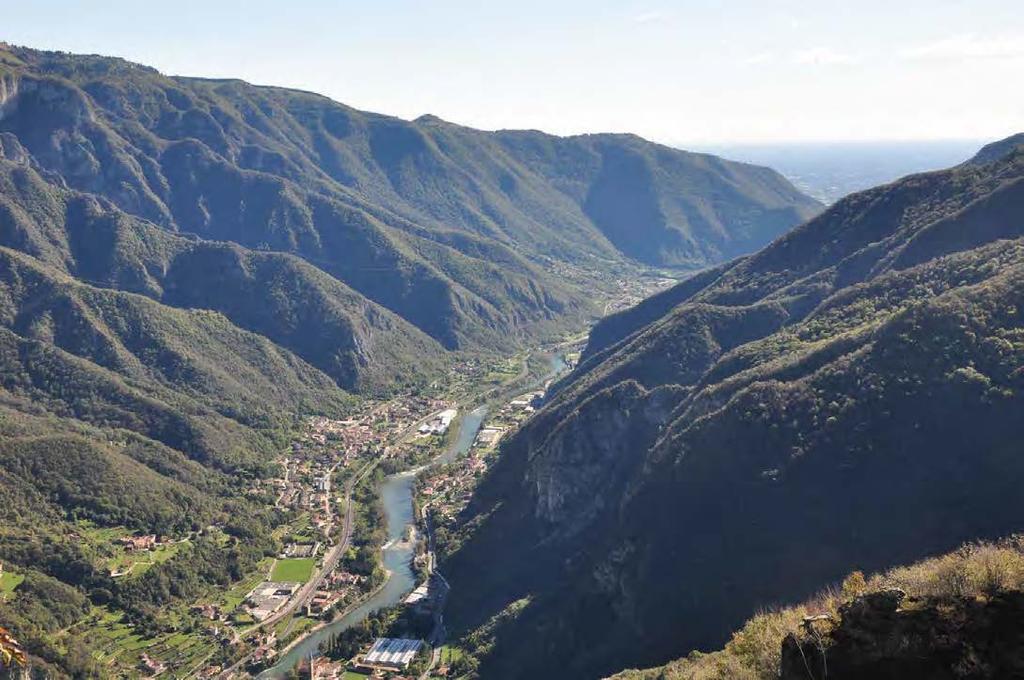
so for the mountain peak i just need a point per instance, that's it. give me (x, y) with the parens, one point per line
(997, 150)
(429, 118)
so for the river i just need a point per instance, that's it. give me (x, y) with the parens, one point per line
(396, 495)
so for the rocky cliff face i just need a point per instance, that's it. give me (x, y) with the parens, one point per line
(8, 92)
(828, 401)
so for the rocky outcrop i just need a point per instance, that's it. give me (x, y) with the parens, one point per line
(8, 93)
(887, 636)
(12, 150)
(824, 408)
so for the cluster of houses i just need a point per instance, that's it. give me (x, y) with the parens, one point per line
(138, 543)
(339, 587)
(353, 434)
(448, 490)
(405, 411)
(305, 485)
(266, 650)
(209, 611)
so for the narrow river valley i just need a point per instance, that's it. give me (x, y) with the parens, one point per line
(397, 498)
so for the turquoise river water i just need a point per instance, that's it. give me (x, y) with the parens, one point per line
(396, 495)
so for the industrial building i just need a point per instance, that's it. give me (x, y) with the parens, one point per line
(391, 654)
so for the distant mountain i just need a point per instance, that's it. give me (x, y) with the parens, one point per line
(829, 171)
(187, 266)
(849, 396)
(453, 229)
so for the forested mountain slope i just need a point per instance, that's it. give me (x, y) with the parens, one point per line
(187, 266)
(358, 343)
(848, 396)
(456, 230)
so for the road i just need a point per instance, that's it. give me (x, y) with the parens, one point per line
(334, 555)
(306, 592)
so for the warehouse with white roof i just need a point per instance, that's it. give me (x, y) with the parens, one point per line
(393, 654)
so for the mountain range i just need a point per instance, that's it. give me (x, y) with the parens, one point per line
(187, 266)
(220, 256)
(459, 232)
(847, 397)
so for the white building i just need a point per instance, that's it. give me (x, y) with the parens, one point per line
(440, 423)
(392, 653)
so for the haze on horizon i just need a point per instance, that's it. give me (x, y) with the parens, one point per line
(694, 72)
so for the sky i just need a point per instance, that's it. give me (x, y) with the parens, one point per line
(684, 72)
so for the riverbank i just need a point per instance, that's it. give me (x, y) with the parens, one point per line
(397, 497)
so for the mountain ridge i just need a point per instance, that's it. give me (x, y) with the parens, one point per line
(825, 401)
(189, 268)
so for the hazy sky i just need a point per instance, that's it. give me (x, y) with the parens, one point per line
(693, 71)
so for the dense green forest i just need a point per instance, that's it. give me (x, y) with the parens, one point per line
(475, 238)
(847, 397)
(189, 266)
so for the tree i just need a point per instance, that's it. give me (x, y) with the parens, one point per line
(465, 665)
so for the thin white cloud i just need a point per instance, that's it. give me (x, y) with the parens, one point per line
(648, 17)
(759, 58)
(968, 46)
(823, 56)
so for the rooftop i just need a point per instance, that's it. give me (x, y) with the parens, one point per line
(392, 652)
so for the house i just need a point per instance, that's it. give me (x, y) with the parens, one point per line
(151, 665)
(207, 611)
(133, 543)
(325, 669)
(489, 436)
(323, 601)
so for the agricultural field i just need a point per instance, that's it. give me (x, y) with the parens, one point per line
(292, 626)
(297, 570)
(234, 596)
(301, 530)
(136, 563)
(118, 647)
(110, 555)
(503, 371)
(448, 655)
(9, 580)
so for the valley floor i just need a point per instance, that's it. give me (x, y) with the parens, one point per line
(334, 530)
